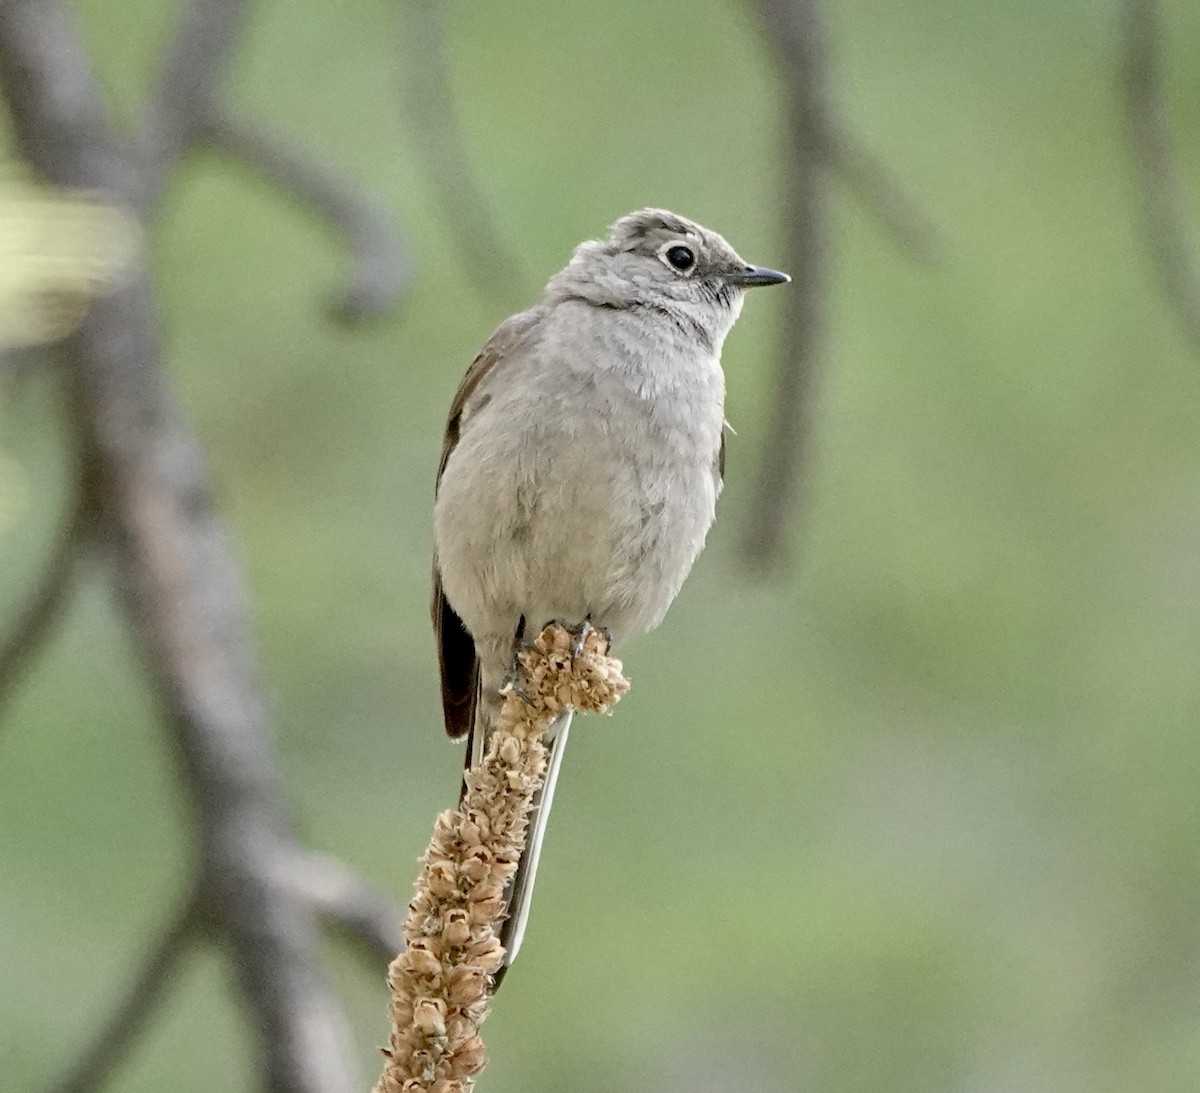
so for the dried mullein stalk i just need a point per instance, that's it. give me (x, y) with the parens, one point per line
(441, 983)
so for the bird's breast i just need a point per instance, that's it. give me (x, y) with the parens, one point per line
(585, 483)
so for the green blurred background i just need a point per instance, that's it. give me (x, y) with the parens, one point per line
(919, 815)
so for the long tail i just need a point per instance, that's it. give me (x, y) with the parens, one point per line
(520, 889)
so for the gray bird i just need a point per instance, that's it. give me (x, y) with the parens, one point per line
(581, 467)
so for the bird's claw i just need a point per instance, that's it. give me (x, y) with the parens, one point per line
(581, 632)
(514, 679)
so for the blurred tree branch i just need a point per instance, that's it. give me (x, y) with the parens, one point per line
(882, 194)
(815, 145)
(184, 97)
(332, 889)
(341, 897)
(181, 587)
(795, 30)
(50, 595)
(93, 1066)
(491, 263)
(380, 272)
(184, 111)
(1161, 195)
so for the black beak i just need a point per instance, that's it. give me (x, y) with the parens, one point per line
(756, 275)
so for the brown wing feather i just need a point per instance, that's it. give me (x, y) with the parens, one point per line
(456, 662)
(456, 649)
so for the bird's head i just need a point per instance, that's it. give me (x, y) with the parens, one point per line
(656, 258)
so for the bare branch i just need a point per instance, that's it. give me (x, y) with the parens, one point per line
(332, 889)
(873, 183)
(795, 31)
(340, 896)
(105, 1053)
(47, 81)
(381, 273)
(491, 263)
(46, 603)
(192, 69)
(183, 591)
(183, 111)
(1163, 209)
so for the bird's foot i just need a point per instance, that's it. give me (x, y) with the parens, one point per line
(515, 676)
(581, 634)
(580, 630)
(514, 680)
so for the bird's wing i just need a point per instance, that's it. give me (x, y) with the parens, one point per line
(456, 648)
(456, 662)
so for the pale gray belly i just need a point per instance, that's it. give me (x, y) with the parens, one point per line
(603, 523)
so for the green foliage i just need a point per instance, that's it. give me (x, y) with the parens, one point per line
(919, 816)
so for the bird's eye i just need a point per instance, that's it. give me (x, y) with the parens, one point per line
(681, 258)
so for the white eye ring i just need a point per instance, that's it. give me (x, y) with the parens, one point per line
(680, 257)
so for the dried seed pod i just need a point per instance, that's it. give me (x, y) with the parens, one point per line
(456, 928)
(420, 960)
(429, 1016)
(440, 983)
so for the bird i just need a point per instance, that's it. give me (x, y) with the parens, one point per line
(583, 456)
